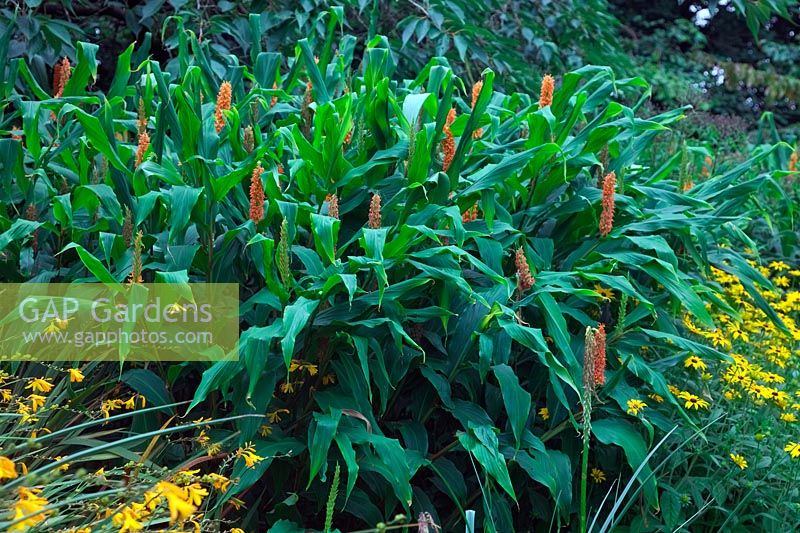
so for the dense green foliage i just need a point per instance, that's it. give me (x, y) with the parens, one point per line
(394, 356)
(732, 57)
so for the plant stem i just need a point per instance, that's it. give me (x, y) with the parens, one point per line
(587, 430)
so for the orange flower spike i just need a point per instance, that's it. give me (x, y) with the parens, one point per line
(793, 162)
(61, 74)
(476, 91)
(546, 93)
(275, 97)
(589, 353)
(449, 142)
(57, 78)
(223, 104)
(257, 195)
(600, 356)
(144, 143)
(607, 214)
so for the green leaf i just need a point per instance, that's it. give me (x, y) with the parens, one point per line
(621, 433)
(295, 318)
(119, 84)
(214, 378)
(481, 442)
(20, 229)
(97, 269)
(321, 434)
(516, 400)
(182, 200)
(150, 385)
(85, 70)
(100, 140)
(326, 231)
(552, 469)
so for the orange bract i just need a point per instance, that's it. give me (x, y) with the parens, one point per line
(256, 195)
(607, 214)
(546, 92)
(449, 142)
(223, 104)
(144, 143)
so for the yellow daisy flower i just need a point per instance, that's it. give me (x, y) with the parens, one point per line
(597, 475)
(739, 461)
(634, 406)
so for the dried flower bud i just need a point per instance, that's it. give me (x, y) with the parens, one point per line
(449, 141)
(100, 171)
(257, 195)
(144, 143)
(607, 214)
(127, 228)
(546, 92)
(333, 205)
(283, 254)
(223, 104)
(687, 186)
(32, 214)
(604, 157)
(248, 142)
(255, 111)
(375, 211)
(524, 277)
(136, 270)
(274, 97)
(141, 117)
(305, 109)
(423, 521)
